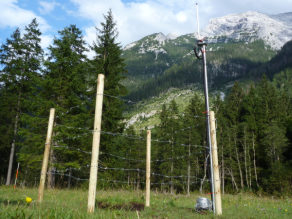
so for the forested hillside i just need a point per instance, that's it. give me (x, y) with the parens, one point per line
(231, 62)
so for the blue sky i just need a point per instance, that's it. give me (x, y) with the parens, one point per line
(135, 18)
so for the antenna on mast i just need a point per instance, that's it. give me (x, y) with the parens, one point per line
(198, 21)
(201, 46)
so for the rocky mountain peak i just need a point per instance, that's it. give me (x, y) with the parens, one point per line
(275, 30)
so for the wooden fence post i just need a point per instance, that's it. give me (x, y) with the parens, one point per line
(46, 155)
(148, 160)
(95, 144)
(218, 204)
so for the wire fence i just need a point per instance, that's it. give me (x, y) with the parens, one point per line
(125, 158)
(124, 169)
(127, 182)
(132, 102)
(134, 137)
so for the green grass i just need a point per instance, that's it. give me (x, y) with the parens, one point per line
(73, 204)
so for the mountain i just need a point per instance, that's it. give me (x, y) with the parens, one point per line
(275, 30)
(237, 44)
(145, 114)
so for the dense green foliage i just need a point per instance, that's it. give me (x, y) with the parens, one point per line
(253, 138)
(21, 58)
(150, 75)
(67, 82)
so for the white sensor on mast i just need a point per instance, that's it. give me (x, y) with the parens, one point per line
(198, 21)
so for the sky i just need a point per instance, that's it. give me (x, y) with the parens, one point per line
(135, 18)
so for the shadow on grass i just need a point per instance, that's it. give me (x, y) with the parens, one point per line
(197, 212)
(132, 206)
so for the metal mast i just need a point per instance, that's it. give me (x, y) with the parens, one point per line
(202, 46)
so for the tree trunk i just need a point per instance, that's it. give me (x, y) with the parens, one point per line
(205, 172)
(239, 166)
(222, 169)
(138, 175)
(13, 144)
(138, 180)
(249, 164)
(189, 166)
(69, 180)
(198, 167)
(129, 157)
(25, 175)
(171, 169)
(245, 165)
(254, 160)
(232, 178)
(231, 171)
(51, 175)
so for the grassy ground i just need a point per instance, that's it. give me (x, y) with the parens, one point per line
(123, 204)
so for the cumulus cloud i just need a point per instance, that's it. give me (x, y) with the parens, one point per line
(13, 16)
(46, 7)
(46, 40)
(136, 19)
(140, 18)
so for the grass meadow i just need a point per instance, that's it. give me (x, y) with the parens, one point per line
(130, 204)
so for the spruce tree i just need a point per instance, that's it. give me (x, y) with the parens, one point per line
(170, 124)
(65, 88)
(233, 110)
(20, 57)
(108, 61)
(194, 134)
(11, 78)
(33, 129)
(250, 122)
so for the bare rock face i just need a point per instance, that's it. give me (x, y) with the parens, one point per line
(275, 30)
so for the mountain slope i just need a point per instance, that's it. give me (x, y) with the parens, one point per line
(145, 114)
(237, 44)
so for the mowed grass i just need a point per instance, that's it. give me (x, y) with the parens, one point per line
(115, 204)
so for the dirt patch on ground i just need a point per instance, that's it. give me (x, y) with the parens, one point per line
(132, 206)
(199, 212)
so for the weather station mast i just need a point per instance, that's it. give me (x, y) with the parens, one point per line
(200, 47)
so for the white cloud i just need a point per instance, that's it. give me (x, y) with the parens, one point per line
(46, 40)
(13, 16)
(46, 7)
(90, 36)
(135, 20)
(141, 18)
(181, 16)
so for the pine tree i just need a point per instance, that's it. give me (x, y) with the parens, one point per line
(249, 119)
(108, 61)
(233, 109)
(20, 57)
(170, 124)
(33, 129)
(163, 135)
(194, 134)
(65, 88)
(219, 108)
(11, 77)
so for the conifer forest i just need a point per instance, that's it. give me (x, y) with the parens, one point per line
(254, 120)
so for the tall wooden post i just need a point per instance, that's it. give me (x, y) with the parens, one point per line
(46, 155)
(216, 174)
(148, 160)
(95, 144)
